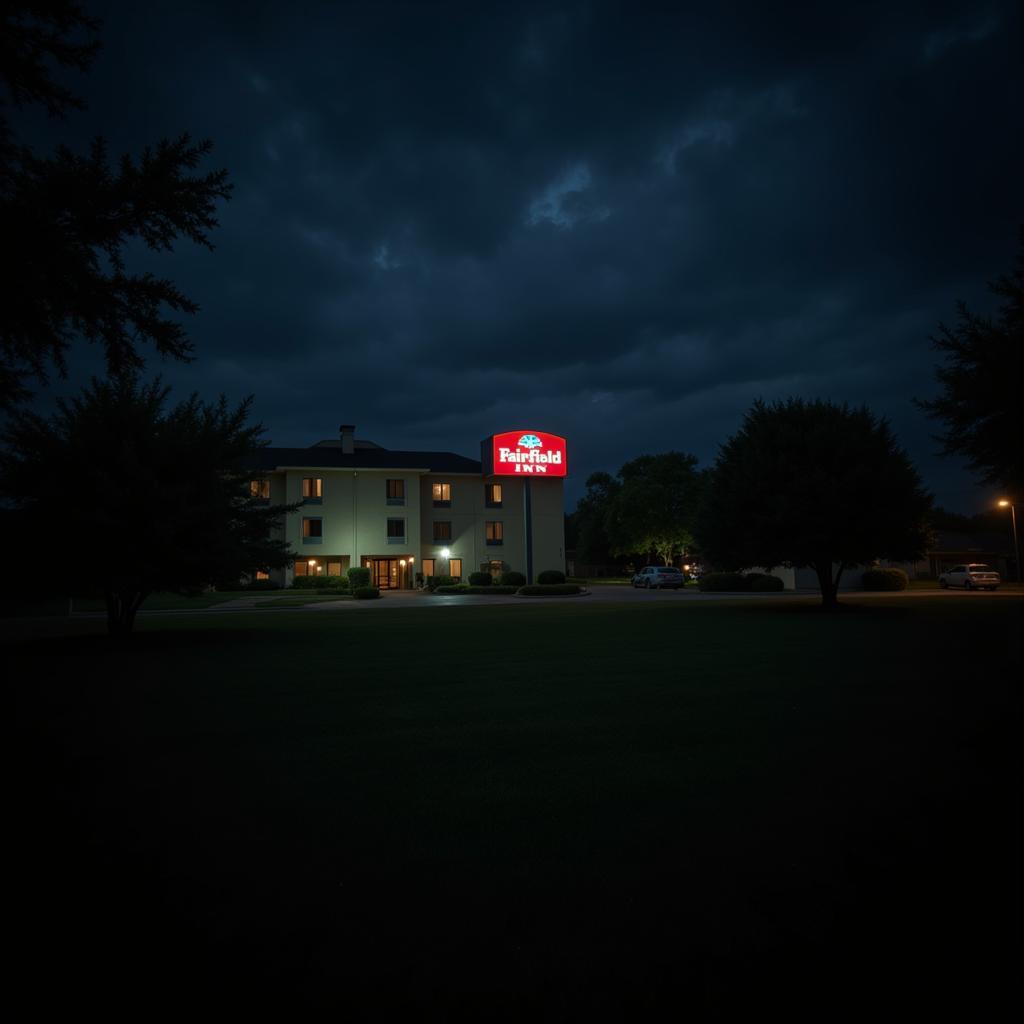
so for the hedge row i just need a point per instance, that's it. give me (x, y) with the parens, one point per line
(319, 582)
(466, 588)
(885, 579)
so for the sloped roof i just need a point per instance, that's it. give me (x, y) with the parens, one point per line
(367, 458)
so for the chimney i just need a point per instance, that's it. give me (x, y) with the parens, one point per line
(348, 439)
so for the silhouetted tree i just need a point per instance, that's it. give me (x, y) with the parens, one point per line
(131, 498)
(980, 403)
(812, 484)
(655, 505)
(590, 517)
(67, 219)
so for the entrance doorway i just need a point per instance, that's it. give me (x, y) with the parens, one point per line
(389, 573)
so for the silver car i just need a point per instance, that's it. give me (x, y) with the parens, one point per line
(659, 576)
(974, 576)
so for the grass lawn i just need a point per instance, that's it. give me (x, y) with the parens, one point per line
(521, 812)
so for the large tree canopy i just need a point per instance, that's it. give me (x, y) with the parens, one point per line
(648, 508)
(67, 219)
(812, 484)
(654, 507)
(980, 402)
(121, 495)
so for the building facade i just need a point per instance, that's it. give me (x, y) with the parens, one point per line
(403, 513)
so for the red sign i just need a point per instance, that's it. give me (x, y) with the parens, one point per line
(524, 452)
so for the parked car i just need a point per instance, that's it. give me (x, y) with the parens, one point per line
(658, 577)
(974, 576)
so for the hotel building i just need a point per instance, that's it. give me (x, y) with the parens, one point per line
(399, 513)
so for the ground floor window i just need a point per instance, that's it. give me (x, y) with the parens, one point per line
(428, 567)
(332, 565)
(261, 575)
(455, 568)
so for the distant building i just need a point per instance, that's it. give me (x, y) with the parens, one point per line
(951, 547)
(399, 513)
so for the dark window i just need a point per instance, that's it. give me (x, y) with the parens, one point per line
(492, 495)
(493, 533)
(442, 532)
(312, 528)
(396, 492)
(442, 495)
(396, 529)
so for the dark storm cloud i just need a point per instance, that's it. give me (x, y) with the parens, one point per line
(623, 224)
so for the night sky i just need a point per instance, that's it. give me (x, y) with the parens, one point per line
(618, 223)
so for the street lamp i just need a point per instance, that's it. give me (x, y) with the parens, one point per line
(1006, 503)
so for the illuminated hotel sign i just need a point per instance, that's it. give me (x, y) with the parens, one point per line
(524, 452)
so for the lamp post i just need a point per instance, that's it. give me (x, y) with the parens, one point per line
(1005, 503)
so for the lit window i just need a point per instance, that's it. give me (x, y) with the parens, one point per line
(396, 492)
(428, 567)
(396, 531)
(442, 494)
(312, 488)
(442, 532)
(262, 575)
(493, 533)
(492, 495)
(259, 489)
(455, 568)
(312, 531)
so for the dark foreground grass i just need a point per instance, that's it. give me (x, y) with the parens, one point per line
(522, 812)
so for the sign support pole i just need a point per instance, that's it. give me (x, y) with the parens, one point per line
(528, 520)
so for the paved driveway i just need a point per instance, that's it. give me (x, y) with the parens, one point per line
(597, 595)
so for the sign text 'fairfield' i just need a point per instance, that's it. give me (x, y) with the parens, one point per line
(524, 452)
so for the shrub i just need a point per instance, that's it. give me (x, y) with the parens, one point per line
(479, 579)
(716, 581)
(359, 577)
(760, 582)
(319, 582)
(433, 582)
(365, 593)
(549, 590)
(452, 588)
(549, 576)
(511, 578)
(878, 578)
(419, 579)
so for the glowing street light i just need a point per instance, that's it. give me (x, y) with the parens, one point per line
(1006, 503)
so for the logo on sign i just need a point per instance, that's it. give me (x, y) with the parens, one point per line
(521, 452)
